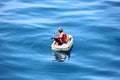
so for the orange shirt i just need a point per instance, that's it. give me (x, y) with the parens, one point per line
(64, 37)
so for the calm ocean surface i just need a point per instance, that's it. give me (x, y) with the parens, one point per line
(26, 27)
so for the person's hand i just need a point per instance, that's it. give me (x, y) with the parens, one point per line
(52, 38)
(55, 32)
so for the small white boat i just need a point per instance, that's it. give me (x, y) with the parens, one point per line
(64, 47)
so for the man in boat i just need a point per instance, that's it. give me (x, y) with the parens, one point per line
(61, 38)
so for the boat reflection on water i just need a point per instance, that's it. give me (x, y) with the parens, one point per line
(61, 56)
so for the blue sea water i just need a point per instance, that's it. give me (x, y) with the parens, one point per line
(26, 27)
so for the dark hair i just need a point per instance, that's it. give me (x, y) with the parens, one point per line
(60, 29)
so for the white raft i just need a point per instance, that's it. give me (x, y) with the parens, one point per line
(64, 47)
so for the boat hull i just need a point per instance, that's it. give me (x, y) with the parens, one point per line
(64, 47)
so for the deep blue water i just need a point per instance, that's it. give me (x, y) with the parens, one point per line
(26, 27)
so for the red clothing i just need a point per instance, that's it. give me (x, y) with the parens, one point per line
(64, 38)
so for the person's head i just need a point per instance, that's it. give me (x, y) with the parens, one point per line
(60, 30)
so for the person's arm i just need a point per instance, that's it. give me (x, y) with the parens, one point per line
(60, 36)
